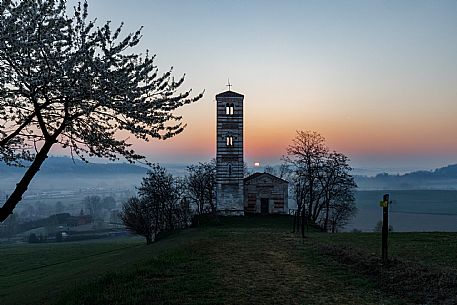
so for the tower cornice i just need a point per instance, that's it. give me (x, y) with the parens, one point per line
(229, 94)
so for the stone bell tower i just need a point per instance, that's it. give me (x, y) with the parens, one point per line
(229, 153)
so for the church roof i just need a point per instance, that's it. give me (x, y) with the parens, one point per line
(256, 175)
(229, 94)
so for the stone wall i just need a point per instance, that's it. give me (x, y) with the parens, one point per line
(266, 186)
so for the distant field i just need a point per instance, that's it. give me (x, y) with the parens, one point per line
(411, 210)
(239, 262)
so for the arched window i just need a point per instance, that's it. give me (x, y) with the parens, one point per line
(229, 109)
(229, 141)
(230, 169)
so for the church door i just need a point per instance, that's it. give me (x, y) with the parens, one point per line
(264, 206)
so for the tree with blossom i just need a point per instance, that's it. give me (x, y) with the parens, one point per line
(66, 81)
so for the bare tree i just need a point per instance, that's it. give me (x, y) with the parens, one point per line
(270, 170)
(284, 171)
(139, 217)
(341, 211)
(305, 155)
(186, 212)
(64, 80)
(159, 207)
(200, 184)
(322, 184)
(162, 191)
(337, 192)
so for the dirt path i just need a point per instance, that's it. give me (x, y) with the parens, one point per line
(268, 267)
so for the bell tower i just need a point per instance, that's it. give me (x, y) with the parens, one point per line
(229, 153)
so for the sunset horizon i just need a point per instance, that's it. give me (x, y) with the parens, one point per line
(376, 79)
(177, 152)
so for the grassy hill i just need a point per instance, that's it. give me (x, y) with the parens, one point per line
(242, 261)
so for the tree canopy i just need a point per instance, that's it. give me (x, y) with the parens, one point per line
(200, 183)
(158, 208)
(65, 80)
(322, 184)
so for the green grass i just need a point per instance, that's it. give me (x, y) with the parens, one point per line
(435, 249)
(38, 273)
(242, 261)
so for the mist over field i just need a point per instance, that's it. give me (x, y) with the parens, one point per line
(67, 182)
(422, 200)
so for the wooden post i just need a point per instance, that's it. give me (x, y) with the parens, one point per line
(385, 227)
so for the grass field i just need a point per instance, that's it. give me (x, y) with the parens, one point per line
(438, 250)
(242, 261)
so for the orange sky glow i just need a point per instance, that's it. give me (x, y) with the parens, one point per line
(378, 79)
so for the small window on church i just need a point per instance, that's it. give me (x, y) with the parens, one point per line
(232, 108)
(230, 169)
(229, 141)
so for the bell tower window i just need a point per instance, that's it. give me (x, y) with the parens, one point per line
(229, 109)
(229, 141)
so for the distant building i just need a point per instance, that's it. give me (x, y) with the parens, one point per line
(265, 194)
(234, 194)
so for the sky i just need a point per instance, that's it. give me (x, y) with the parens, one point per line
(378, 79)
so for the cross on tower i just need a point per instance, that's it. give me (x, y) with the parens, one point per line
(228, 85)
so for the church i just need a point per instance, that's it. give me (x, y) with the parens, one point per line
(259, 193)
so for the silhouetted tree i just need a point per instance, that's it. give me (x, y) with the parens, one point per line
(159, 207)
(63, 80)
(284, 171)
(161, 190)
(140, 217)
(305, 155)
(186, 212)
(341, 211)
(270, 170)
(321, 182)
(200, 185)
(336, 197)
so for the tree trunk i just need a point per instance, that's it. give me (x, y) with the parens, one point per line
(327, 211)
(23, 185)
(295, 221)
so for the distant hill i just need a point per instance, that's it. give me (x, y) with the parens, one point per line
(65, 165)
(440, 178)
